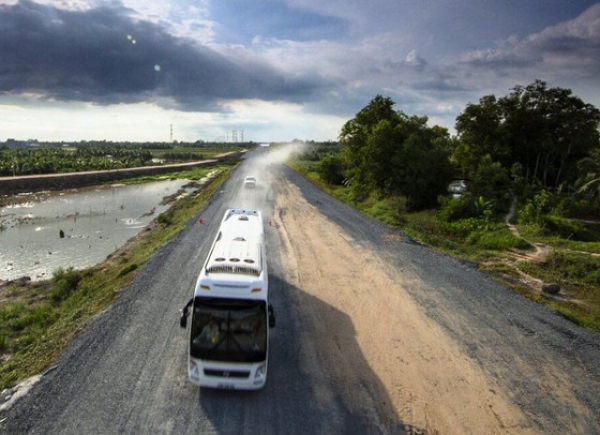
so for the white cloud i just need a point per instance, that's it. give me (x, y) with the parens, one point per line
(572, 47)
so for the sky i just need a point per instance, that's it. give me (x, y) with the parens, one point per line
(275, 70)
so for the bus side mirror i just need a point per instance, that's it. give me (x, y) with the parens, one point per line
(271, 317)
(184, 313)
(183, 317)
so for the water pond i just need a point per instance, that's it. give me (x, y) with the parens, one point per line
(78, 228)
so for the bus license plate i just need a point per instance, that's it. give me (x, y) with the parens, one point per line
(225, 386)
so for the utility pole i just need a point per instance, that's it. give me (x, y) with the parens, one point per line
(171, 133)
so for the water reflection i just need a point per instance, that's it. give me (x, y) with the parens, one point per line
(40, 233)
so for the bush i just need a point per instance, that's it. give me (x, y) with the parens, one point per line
(497, 240)
(575, 267)
(577, 206)
(37, 317)
(535, 209)
(128, 269)
(464, 227)
(360, 192)
(567, 229)
(64, 282)
(166, 218)
(453, 209)
(389, 210)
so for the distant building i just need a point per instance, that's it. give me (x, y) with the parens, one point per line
(15, 144)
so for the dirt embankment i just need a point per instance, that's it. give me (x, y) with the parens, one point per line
(432, 384)
(34, 183)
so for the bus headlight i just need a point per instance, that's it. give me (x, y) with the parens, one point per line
(194, 372)
(260, 371)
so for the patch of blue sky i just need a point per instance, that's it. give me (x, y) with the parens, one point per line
(241, 21)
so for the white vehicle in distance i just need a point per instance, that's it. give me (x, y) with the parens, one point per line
(250, 182)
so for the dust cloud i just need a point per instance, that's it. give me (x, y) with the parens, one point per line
(260, 164)
(265, 156)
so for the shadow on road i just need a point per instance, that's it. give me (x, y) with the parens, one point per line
(306, 391)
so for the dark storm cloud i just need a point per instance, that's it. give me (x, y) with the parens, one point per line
(104, 56)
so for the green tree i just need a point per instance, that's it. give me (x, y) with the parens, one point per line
(331, 168)
(391, 154)
(545, 130)
(480, 129)
(491, 180)
(356, 135)
(422, 169)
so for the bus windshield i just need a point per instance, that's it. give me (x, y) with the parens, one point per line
(229, 330)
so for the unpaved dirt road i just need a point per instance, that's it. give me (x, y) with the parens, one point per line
(375, 335)
(424, 378)
(447, 351)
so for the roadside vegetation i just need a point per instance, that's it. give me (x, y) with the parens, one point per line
(528, 210)
(39, 319)
(45, 158)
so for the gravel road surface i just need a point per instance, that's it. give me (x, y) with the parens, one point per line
(375, 334)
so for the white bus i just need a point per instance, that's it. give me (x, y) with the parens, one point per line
(231, 314)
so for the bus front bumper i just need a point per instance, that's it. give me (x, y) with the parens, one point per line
(227, 376)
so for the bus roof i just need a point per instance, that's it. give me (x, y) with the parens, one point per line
(238, 246)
